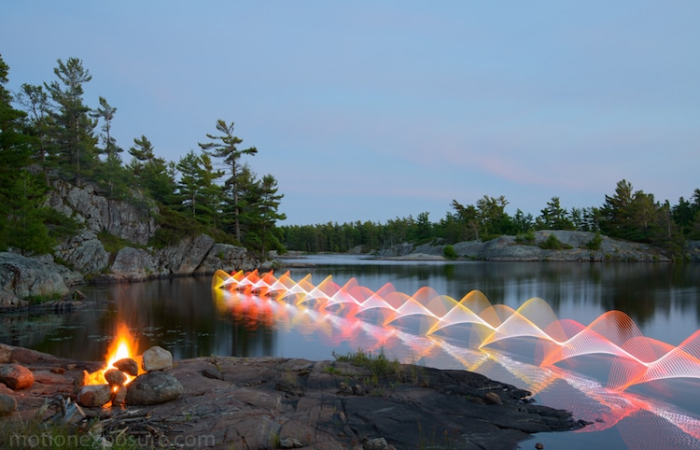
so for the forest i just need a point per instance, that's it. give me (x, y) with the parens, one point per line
(53, 134)
(627, 214)
(48, 133)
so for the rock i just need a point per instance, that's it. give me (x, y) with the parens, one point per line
(115, 377)
(228, 258)
(156, 358)
(58, 370)
(290, 442)
(94, 395)
(27, 356)
(6, 353)
(213, 373)
(539, 446)
(152, 388)
(16, 377)
(184, 258)
(358, 390)
(128, 366)
(22, 277)
(133, 264)
(344, 388)
(375, 444)
(131, 222)
(506, 248)
(491, 398)
(119, 397)
(8, 405)
(85, 252)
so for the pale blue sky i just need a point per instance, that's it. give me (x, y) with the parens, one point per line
(371, 110)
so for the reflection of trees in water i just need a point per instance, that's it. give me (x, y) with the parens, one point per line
(24, 329)
(641, 290)
(176, 314)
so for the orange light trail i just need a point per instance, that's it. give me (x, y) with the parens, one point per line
(637, 359)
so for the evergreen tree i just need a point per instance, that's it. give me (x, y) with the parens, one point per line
(197, 189)
(110, 172)
(36, 102)
(554, 217)
(225, 147)
(152, 174)
(264, 216)
(72, 127)
(615, 212)
(21, 193)
(491, 214)
(468, 219)
(522, 222)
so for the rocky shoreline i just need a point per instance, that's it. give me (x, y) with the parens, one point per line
(256, 403)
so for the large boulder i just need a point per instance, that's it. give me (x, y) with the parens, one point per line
(228, 258)
(16, 377)
(184, 258)
(153, 388)
(85, 252)
(133, 264)
(22, 277)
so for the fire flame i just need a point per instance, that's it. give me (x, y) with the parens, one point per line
(123, 346)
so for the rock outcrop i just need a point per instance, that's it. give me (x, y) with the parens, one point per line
(193, 256)
(506, 248)
(294, 403)
(122, 219)
(22, 278)
(87, 257)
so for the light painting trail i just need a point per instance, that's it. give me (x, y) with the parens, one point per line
(337, 314)
(636, 359)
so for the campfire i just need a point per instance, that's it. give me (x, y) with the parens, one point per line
(127, 378)
(123, 348)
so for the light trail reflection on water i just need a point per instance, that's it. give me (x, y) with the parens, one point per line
(405, 328)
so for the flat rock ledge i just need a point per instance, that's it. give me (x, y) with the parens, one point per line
(265, 403)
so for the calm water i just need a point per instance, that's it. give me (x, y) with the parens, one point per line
(186, 317)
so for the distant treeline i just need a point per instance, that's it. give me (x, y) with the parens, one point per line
(55, 135)
(628, 214)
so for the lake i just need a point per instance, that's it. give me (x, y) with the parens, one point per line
(190, 319)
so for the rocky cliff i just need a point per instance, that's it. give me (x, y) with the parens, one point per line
(88, 259)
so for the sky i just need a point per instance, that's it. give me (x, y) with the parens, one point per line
(370, 110)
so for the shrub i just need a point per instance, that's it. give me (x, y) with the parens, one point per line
(379, 366)
(528, 238)
(552, 243)
(449, 252)
(594, 244)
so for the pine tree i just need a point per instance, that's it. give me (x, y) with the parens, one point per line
(36, 102)
(225, 147)
(72, 127)
(21, 194)
(268, 210)
(615, 212)
(199, 194)
(152, 174)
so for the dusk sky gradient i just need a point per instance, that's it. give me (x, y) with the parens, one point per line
(375, 110)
